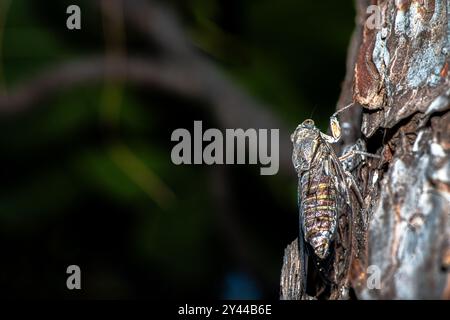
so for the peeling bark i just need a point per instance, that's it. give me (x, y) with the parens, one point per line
(400, 81)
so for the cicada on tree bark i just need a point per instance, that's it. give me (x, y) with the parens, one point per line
(327, 205)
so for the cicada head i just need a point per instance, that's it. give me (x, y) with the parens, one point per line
(305, 140)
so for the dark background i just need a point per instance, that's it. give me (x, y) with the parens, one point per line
(82, 172)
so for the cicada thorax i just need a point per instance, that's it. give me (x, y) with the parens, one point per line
(319, 208)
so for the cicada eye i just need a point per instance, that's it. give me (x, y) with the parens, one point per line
(308, 123)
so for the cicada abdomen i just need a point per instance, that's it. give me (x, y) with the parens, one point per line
(318, 209)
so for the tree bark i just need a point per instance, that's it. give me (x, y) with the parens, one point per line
(397, 75)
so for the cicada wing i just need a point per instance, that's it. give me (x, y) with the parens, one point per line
(301, 246)
(343, 247)
(344, 229)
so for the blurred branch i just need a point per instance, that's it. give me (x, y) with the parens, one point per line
(183, 71)
(4, 7)
(115, 39)
(231, 105)
(94, 69)
(122, 155)
(159, 24)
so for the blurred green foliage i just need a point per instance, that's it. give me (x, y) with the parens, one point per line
(78, 188)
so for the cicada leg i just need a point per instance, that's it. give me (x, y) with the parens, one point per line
(349, 163)
(353, 153)
(351, 183)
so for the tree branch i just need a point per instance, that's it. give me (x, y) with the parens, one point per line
(233, 107)
(95, 69)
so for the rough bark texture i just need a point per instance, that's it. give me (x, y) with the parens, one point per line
(290, 279)
(398, 76)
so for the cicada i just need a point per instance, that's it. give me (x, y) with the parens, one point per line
(326, 207)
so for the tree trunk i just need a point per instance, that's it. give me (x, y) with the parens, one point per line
(397, 75)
